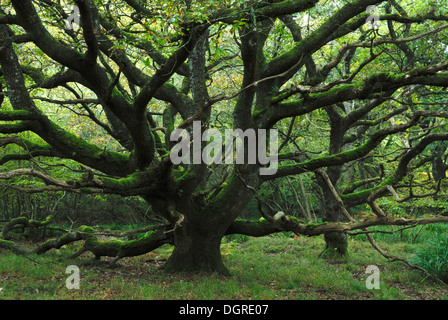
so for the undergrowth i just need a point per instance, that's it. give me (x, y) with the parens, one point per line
(280, 266)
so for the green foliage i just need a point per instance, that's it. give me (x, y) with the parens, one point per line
(69, 209)
(434, 256)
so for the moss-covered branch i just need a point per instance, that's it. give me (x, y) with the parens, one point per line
(398, 175)
(68, 145)
(15, 115)
(317, 38)
(118, 249)
(288, 223)
(32, 149)
(356, 153)
(23, 222)
(378, 86)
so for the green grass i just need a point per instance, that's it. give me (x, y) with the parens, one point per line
(272, 268)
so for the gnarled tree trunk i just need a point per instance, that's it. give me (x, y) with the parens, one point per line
(197, 249)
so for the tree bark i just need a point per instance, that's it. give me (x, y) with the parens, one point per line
(335, 242)
(197, 239)
(197, 250)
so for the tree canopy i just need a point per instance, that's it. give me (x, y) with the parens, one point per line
(92, 91)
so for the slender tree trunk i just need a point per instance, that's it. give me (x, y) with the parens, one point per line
(336, 243)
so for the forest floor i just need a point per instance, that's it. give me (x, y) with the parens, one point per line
(277, 267)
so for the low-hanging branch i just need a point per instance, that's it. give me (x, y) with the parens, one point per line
(282, 222)
(152, 237)
(257, 228)
(132, 185)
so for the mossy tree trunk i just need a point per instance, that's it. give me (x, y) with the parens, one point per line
(197, 249)
(197, 238)
(335, 242)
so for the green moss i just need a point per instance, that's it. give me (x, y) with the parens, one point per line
(341, 89)
(222, 199)
(258, 113)
(9, 245)
(86, 229)
(14, 127)
(185, 176)
(297, 220)
(110, 244)
(367, 192)
(41, 223)
(122, 248)
(131, 181)
(15, 115)
(313, 225)
(81, 148)
(147, 237)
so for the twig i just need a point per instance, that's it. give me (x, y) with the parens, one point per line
(381, 231)
(178, 223)
(259, 200)
(211, 102)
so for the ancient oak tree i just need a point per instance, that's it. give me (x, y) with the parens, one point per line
(104, 85)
